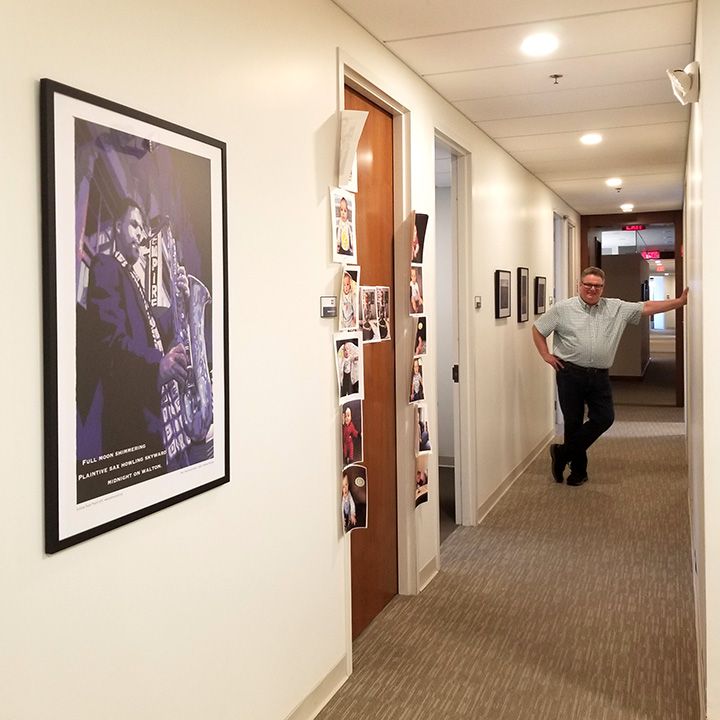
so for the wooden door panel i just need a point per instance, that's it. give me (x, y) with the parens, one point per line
(374, 550)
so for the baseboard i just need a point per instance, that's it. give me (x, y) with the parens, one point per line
(427, 573)
(446, 461)
(505, 485)
(323, 692)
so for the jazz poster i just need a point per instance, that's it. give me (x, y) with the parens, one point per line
(135, 314)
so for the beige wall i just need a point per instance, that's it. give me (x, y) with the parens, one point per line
(234, 604)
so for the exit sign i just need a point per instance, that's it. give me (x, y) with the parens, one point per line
(634, 227)
(651, 254)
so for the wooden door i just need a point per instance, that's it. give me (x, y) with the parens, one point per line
(374, 550)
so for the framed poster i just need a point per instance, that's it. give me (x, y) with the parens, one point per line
(502, 293)
(539, 295)
(522, 293)
(134, 284)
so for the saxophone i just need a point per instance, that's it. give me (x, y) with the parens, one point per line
(196, 402)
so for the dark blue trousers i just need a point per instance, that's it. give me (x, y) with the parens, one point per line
(579, 388)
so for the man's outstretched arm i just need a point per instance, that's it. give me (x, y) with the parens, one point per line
(653, 307)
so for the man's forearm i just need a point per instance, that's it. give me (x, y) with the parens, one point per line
(654, 307)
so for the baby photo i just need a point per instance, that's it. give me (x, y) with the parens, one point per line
(349, 364)
(420, 347)
(349, 301)
(417, 305)
(417, 385)
(418, 241)
(351, 422)
(422, 431)
(383, 312)
(421, 480)
(342, 215)
(368, 314)
(353, 497)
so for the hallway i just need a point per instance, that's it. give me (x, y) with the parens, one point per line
(564, 604)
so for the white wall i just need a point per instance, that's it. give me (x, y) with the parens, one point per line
(233, 604)
(702, 218)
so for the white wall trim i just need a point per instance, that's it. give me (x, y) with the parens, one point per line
(428, 573)
(321, 694)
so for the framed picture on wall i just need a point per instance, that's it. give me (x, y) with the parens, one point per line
(539, 295)
(134, 284)
(522, 293)
(502, 293)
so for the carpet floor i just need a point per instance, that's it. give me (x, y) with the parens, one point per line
(564, 604)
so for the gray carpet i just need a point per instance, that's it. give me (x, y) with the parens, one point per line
(564, 604)
(656, 387)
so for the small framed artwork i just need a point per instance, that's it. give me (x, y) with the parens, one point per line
(135, 277)
(502, 293)
(539, 294)
(522, 292)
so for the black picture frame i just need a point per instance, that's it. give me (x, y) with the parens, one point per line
(540, 293)
(131, 203)
(502, 293)
(523, 282)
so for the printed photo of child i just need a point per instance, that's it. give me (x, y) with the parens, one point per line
(349, 364)
(368, 314)
(383, 312)
(422, 431)
(417, 386)
(417, 304)
(342, 214)
(421, 480)
(420, 336)
(353, 497)
(348, 317)
(418, 241)
(351, 432)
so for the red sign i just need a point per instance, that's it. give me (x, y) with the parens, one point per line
(634, 227)
(651, 254)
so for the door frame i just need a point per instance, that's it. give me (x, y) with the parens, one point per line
(352, 74)
(461, 201)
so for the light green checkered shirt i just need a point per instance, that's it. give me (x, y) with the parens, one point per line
(588, 335)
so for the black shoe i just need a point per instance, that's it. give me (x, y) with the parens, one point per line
(558, 462)
(576, 480)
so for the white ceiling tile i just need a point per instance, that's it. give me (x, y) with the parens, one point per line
(596, 70)
(588, 35)
(588, 120)
(650, 92)
(394, 19)
(655, 138)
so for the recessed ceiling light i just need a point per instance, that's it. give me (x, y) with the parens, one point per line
(591, 139)
(627, 207)
(614, 182)
(540, 44)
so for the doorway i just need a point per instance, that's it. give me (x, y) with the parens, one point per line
(374, 550)
(446, 328)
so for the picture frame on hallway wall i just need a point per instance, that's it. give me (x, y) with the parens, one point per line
(523, 282)
(540, 293)
(134, 282)
(502, 293)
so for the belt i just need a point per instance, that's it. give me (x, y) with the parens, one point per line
(586, 370)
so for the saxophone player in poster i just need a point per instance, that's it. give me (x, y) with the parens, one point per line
(156, 391)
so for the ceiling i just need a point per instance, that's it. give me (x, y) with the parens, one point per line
(612, 56)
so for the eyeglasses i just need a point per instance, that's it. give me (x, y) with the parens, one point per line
(592, 286)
